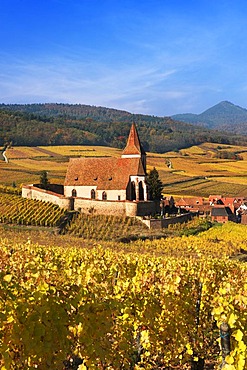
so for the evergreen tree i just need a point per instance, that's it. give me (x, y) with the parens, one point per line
(44, 182)
(155, 185)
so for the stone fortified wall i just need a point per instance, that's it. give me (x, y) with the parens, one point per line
(117, 208)
(32, 192)
(120, 208)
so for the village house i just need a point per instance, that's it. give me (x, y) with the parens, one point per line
(220, 208)
(232, 202)
(198, 205)
(241, 213)
(244, 218)
(222, 214)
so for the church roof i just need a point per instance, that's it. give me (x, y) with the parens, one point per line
(105, 173)
(133, 146)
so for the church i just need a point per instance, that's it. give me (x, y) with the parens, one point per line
(104, 185)
(115, 179)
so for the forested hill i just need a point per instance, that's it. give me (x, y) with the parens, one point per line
(222, 116)
(66, 124)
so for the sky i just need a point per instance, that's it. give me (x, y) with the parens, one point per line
(156, 57)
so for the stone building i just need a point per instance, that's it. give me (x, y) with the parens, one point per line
(113, 179)
(115, 186)
(222, 214)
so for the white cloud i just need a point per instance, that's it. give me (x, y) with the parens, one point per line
(126, 87)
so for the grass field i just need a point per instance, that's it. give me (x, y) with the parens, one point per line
(192, 171)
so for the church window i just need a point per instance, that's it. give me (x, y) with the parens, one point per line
(141, 191)
(133, 191)
(119, 197)
(104, 196)
(93, 194)
(74, 193)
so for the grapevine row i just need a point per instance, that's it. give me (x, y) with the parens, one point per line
(102, 227)
(14, 209)
(117, 311)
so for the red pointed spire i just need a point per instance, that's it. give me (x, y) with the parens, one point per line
(133, 146)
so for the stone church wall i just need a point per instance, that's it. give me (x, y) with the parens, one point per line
(140, 208)
(85, 193)
(99, 207)
(126, 208)
(32, 192)
(120, 208)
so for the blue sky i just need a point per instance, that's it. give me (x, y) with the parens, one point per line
(158, 57)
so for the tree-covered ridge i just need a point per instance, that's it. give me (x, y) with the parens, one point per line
(66, 124)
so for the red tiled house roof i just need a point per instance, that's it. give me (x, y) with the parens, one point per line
(190, 202)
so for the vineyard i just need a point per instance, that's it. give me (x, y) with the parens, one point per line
(15, 209)
(157, 306)
(104, 227)
(198, 163)
(106, 292)
(205, 187)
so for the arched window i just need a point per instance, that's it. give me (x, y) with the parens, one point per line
(141, 191)
(104, 196)
(92, 194)
(74, 193)
(133, 191)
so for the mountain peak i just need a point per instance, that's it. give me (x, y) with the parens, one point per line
(222, 116)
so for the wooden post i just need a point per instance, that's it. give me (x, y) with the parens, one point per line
(225, 341)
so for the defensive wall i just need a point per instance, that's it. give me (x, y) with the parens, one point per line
(120, 208)
(33, 192)
(114, 208)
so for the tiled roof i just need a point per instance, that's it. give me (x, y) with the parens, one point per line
(133, 144)
(190, 201)
(221, 211)
(105, 173)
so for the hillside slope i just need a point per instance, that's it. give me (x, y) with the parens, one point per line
(223, 116)
(67, 124)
